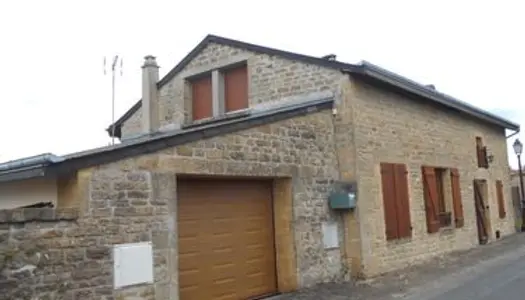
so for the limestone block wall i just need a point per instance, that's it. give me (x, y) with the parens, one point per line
(301, 149)
(66, 253)
(52, 254)
(36, 258)
(395, 129)
(270, 78)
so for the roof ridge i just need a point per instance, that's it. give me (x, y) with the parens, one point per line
(365, 68)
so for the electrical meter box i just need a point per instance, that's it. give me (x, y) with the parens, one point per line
(343, 195)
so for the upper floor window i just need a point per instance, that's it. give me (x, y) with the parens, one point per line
(481, 153)
(201, 90)
(219, 91)
(235, 88)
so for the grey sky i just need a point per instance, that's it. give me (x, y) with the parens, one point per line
(55, 97)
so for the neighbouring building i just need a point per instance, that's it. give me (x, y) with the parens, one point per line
(515, 195)
(227, 173)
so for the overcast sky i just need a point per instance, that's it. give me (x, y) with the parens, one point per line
(55, 97)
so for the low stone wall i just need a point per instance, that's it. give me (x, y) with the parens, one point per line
(36, 260)
(67, 253)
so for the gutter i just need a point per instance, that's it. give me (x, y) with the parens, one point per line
(368, 69)
(30, 167)
(162, 140)
(50, 165)
(512, 134)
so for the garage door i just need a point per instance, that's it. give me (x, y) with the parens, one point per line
(226, 239)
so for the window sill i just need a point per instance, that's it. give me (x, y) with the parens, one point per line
(224, 117)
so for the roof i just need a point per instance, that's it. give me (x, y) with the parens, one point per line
(28, 166)
(49, 165)
(366, 70)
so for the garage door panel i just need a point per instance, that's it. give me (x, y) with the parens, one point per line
(193, 232)
(254, 241)
(255, 254)
(218, 227)
(255, 225)
(188, 215)
(226, 245)
(224, 296)
(193, 262)
(220, 262)
(190, 253)
(189, 279)
(193, 291)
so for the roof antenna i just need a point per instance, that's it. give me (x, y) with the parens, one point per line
(115, 67)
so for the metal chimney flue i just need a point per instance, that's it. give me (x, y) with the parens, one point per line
(150, 100)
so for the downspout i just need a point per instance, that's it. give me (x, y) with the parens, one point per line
(356, 260)
(344, 216)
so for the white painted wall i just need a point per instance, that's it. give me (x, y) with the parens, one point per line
(26, 192)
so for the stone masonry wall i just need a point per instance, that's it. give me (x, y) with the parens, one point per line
(301, 148)
(391, 128)
(270, 78)
(36, 258)
(67, 254)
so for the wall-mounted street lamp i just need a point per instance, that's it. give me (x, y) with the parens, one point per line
(518, 149)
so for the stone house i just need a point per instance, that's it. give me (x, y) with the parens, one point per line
(225, 171)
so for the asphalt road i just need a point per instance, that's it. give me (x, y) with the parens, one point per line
(502, 278)
(490, 272)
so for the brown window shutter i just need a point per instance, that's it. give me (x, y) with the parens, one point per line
(202, 106)
(431, 199)
(402, 201)
(501, 199)
(456, 198)
(484, 159)
(236, 88)
(389, 200)
(479, 153)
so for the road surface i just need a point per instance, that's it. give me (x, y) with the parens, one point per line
(490, 272)
(502, 277)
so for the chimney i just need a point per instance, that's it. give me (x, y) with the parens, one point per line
(150, 103)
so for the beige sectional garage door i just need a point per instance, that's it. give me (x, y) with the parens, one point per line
(226, 239)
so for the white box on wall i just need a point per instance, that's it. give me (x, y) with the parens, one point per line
(132, 264)
(330, 235)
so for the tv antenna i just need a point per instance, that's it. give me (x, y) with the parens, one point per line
(116, 67)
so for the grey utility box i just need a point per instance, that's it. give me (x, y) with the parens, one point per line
(343, 195)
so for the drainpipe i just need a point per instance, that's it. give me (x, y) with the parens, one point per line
(513, 134)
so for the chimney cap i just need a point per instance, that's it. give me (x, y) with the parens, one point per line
(150, 61)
